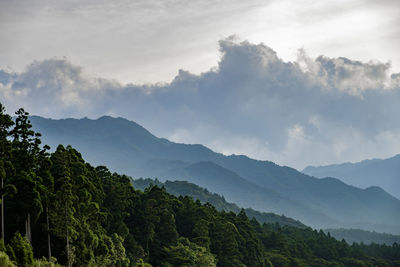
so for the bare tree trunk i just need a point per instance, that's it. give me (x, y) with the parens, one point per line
(28, 228)
(48, 232)
(2, 209)
(68, 252)
(69, 264)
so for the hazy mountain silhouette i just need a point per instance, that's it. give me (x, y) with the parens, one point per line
(362, 236)
(384, 173)
(127, 147)
(184, 188)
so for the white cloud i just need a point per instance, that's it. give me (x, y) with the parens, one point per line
(311, 111)
(148, 40)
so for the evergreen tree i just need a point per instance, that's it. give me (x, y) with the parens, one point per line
(47, 189)
(224, 244)
(63, 211)
(22, 250)
(5, 149)
(25, 148)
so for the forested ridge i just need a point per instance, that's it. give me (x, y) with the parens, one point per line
(184, 188)
(126, 147)
(58, 208)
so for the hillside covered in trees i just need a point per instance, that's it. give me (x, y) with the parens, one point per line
(184, 188)
(126, 147)
(58, 206)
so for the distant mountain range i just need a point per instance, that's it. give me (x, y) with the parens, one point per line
(184, 188)
(127, 147)
(384, 173)
(361, 236)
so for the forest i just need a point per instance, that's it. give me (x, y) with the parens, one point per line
(184, 188)
(57, 209)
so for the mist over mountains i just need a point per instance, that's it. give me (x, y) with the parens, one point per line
(311, 111)
(199, 133)
(379, 172)
(128, 148)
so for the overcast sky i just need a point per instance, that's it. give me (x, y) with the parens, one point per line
(296, 82)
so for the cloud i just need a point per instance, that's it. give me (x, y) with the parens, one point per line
(310, 111)
(148, 40)
(345, 74)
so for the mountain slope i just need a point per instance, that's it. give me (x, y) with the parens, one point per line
(246, 194)
(361, 236)
(384, 173)
(127, 147)
(183, 188)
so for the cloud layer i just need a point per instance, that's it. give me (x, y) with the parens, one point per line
(125, 39)
(311, 111)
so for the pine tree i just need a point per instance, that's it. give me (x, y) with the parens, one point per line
(47, 189)
(25, 148)
(63, 211)
(5, 149)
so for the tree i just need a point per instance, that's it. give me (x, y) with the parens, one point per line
(5, 148)
(249, 245)
(25, 148)
(186, 253)
(161, 230)
(62, 216)
(22, 249)
(47, 188)
(119, 200)
(201, 233)
(224, 235)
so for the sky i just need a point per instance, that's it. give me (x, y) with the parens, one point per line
(296, 82)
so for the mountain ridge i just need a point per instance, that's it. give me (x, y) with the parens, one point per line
(384, 173)
(184, 188)
(129, 148)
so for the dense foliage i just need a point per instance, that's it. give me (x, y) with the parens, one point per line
(184, 188)
(58, 206)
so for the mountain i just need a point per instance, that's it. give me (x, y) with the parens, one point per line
(184, 188)
(384, 173)
(361, 236)
(127, 147)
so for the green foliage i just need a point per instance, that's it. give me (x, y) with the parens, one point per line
(279, 260)
(114, 255)
(5, 260)
(184, 188)
(5, 123)
(44, 263)
(186, 253)
(22, 250)
(202, 233)
(10, 253)
(141, 263)
(224, 236)
(2, 246)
